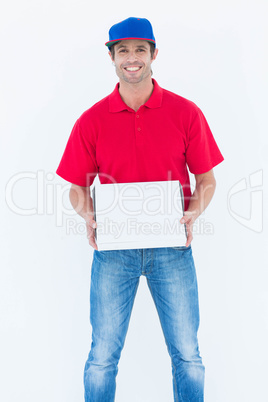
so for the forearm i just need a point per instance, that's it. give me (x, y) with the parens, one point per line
(202, 196)
(81, 201)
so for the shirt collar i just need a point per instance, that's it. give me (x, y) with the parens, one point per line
(116, 104)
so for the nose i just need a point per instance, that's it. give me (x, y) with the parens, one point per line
(131, 56)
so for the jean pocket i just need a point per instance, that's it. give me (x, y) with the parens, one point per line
(181, 247)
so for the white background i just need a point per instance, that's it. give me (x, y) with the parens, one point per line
(54, 65)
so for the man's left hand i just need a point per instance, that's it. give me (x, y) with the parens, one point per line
(189, 218)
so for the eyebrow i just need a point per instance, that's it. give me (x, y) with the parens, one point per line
(138, 46)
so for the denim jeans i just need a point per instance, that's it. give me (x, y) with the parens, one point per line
(171, 277)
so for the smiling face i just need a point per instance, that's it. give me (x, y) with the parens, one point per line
(133, 60)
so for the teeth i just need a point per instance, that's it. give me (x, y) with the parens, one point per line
(132, 68)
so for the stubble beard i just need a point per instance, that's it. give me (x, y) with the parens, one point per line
(133, 80)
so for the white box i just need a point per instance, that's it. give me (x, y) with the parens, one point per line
(139, 215)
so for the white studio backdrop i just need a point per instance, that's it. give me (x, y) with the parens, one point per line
(54, 66)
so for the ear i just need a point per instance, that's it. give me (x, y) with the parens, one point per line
(155, 54)
(110, 54)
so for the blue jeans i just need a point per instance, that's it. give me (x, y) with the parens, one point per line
(171, 277)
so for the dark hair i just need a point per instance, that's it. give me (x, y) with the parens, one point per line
(152, 48)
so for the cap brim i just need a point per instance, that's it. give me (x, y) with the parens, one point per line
(112, 42)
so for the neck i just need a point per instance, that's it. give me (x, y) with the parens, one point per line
(135, 95)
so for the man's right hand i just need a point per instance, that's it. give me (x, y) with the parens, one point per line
(83, 204)
(91, 226)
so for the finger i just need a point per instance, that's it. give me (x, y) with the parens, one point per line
(92, 241)
(92, 224)
(186, 219)
(189, 235)
(189, 240)
(93, 244)
(90, 231)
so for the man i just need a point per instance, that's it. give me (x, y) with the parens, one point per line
(141, 132)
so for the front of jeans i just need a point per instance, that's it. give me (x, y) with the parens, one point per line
(171, 278)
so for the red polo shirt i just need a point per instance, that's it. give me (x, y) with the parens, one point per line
(156, 143)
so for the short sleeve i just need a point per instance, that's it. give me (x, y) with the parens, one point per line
(78, 163)
(202, 151)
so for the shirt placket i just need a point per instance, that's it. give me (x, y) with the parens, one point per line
(138, 127)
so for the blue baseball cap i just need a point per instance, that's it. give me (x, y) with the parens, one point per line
(131, 28)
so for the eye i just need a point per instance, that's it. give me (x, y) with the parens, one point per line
(122, 51)
(140, 50)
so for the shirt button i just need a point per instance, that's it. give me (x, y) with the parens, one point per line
(139, 129)
(137, 116)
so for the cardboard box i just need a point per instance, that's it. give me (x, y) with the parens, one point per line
(139, 215)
